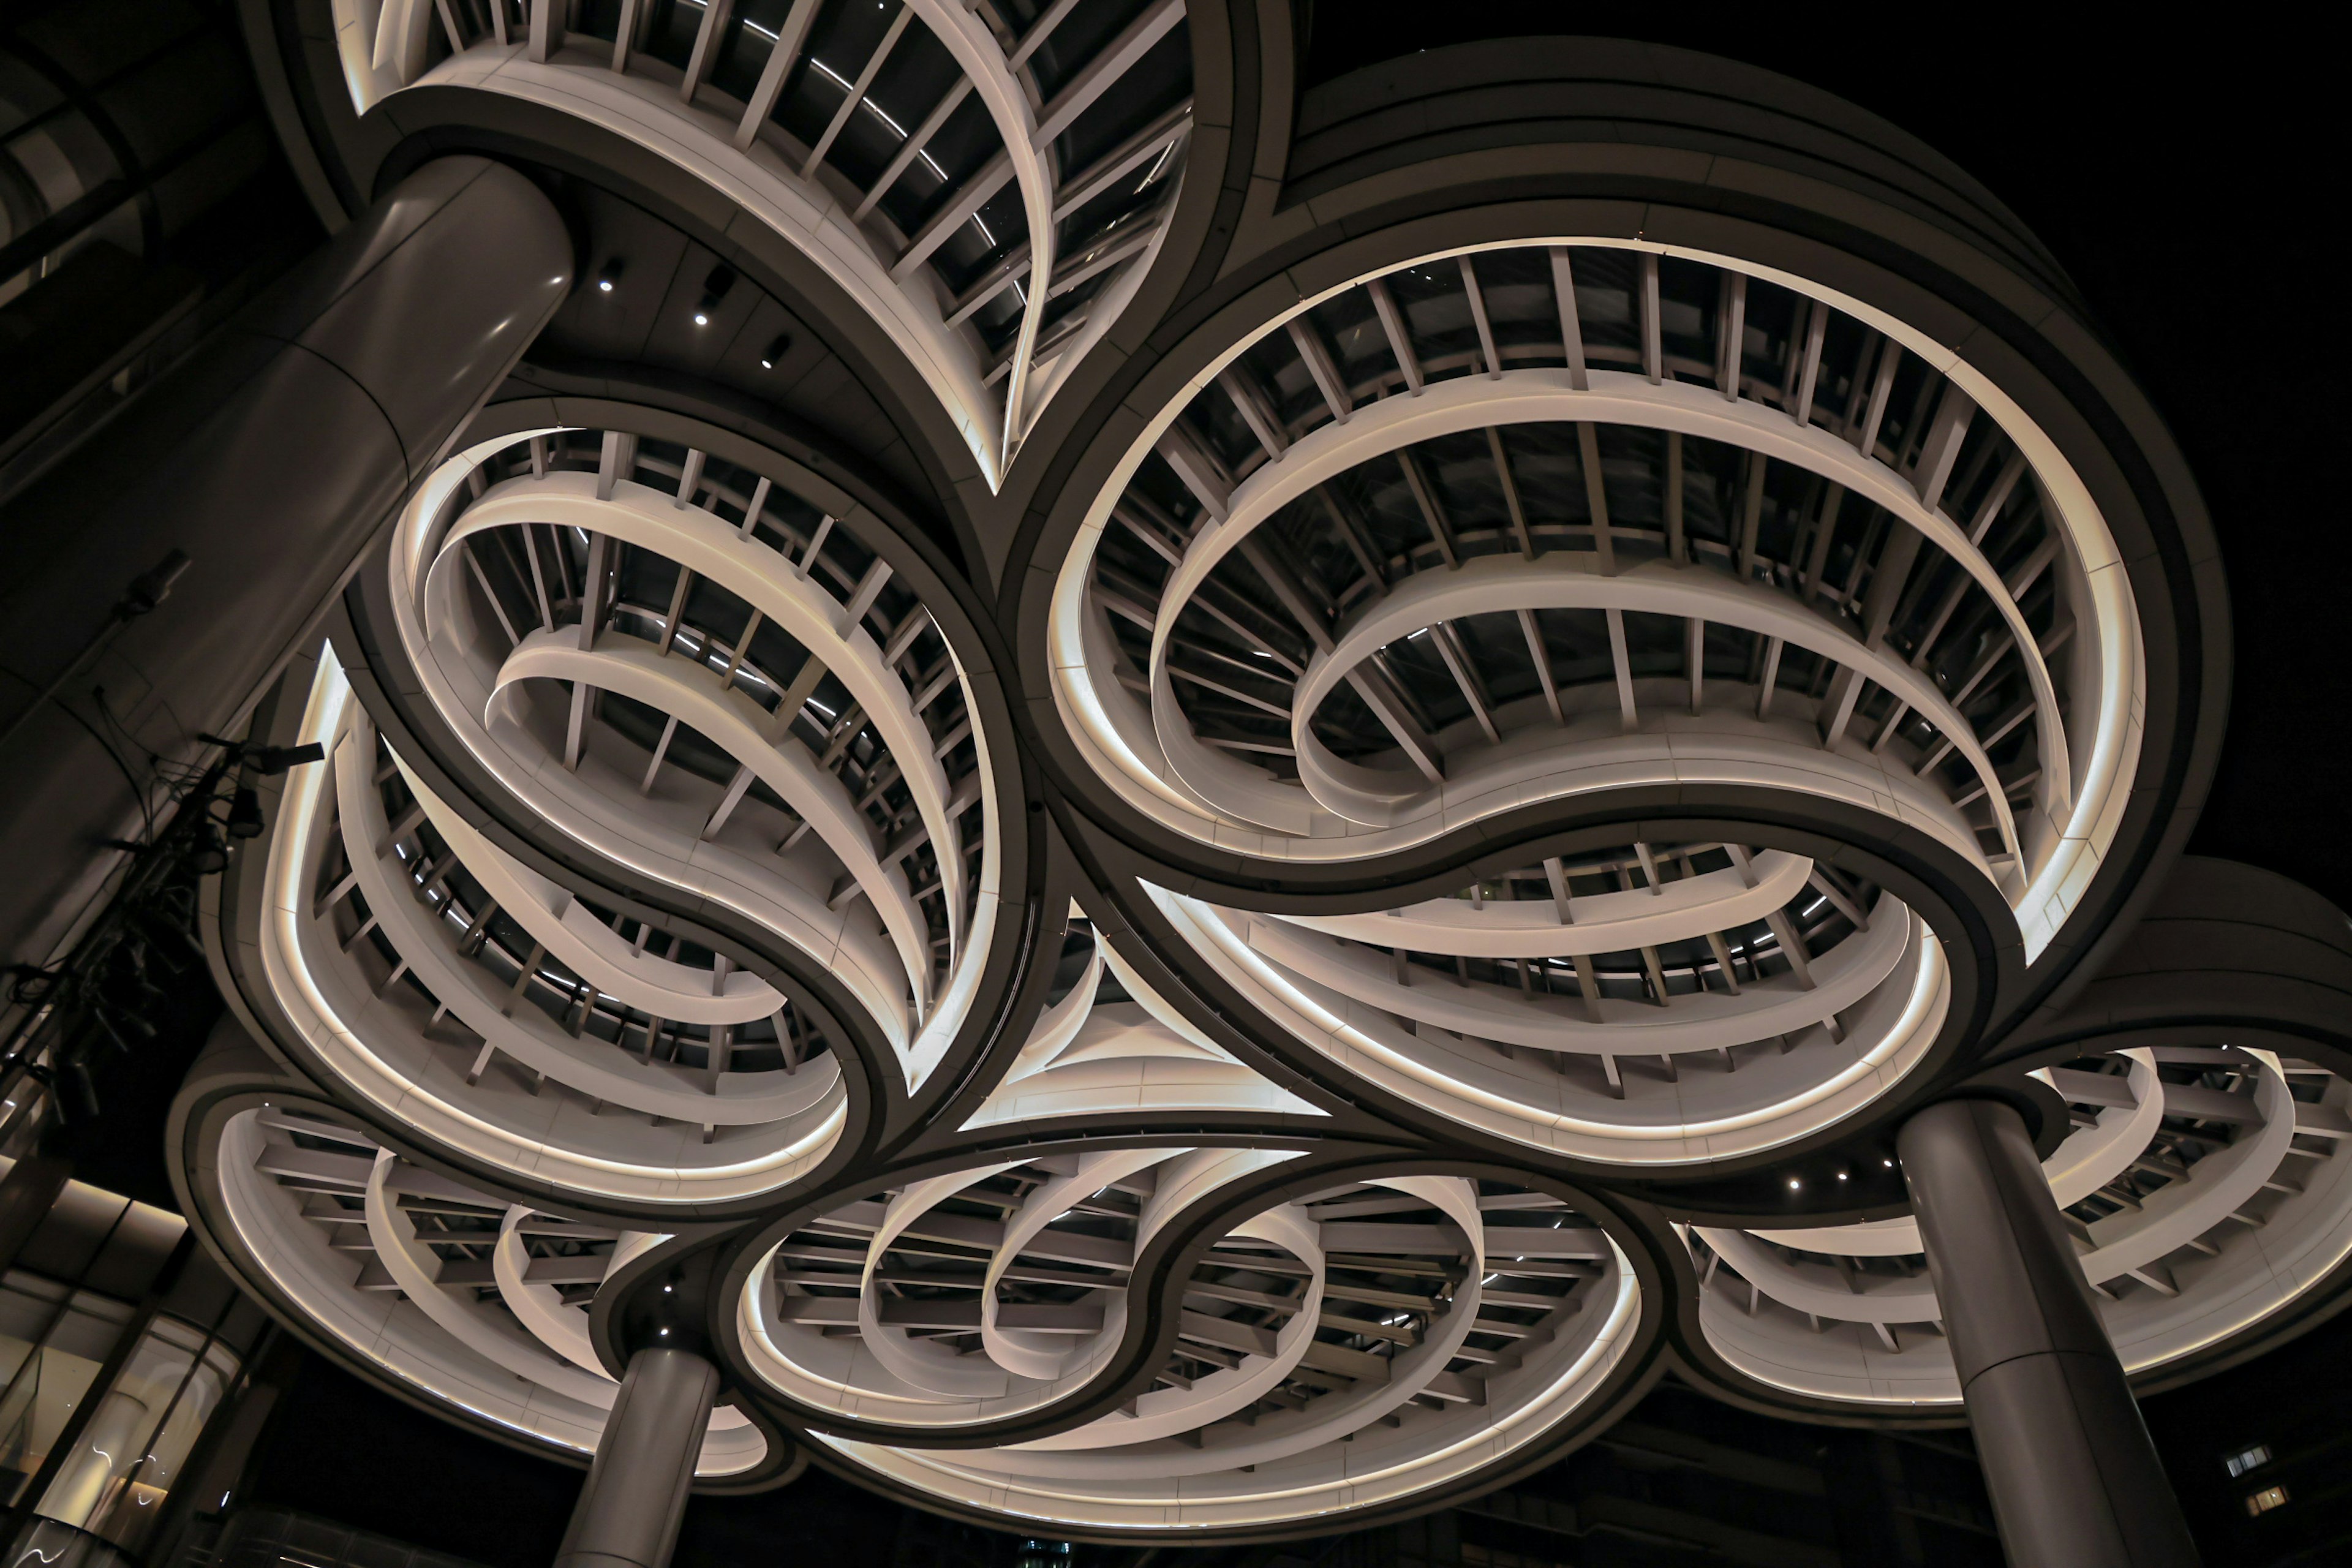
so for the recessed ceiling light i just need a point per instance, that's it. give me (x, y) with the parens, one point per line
(714, 288)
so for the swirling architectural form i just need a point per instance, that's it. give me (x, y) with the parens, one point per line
(1176, 810)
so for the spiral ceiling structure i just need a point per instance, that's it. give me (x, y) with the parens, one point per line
(1197, 811)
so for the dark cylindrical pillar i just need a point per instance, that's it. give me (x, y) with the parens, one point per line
(2074, 1479)
(269, 459)
(629, 1511)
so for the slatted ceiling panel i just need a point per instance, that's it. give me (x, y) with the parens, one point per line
(1691, 963)
(711, 626)
(455, 1225)
(1238, 1300)
(935, 132)
(1775, 528)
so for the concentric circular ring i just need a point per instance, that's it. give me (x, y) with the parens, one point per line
(1788, 502)
(1338, 1350)
(449, 1295)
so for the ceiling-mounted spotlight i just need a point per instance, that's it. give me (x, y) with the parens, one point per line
(774, 351)
(209, 856)
(714, 288)
(245, 814)
(609, 276)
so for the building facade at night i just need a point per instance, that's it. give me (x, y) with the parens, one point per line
(965, 744)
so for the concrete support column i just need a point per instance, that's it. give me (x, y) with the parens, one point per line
(629, 1511)
(2075, 1481)
(248, 480)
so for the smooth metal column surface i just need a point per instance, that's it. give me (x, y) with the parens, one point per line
(629, 1511)
(270, 457)
(2075, 1481)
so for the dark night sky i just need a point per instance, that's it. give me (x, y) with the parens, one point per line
(2182, 177)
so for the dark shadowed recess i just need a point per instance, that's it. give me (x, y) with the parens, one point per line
(346, 1451)
(350, 1452)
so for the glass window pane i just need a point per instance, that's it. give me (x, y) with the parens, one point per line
(52, 1343)
(123, 1466)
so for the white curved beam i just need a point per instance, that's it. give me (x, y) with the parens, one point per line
(1525, 397)
(430, 947)
(541, 1308)
(756, 573)
(1592, 751)
(699, 142)
(1822, 1291)
(382, 1327)
(2238, 1275)
(370, 73)
(920, 1362)
(1794, 1094)
(457, 651)
(2129, 1240)
(1111, 735)
(586, 946)
(1042, 1356)
(372, 1043)
(742, 728)
(1058, 1025)
(1564, 581)
(1283, 1434)
(1709, 1021)
(1898, 1237)
(1171, 1412)
(2216, 1187)
(412, 1267)
(2092, 1156)
(1605, 923)
(2088, 1159)
(982, 60)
